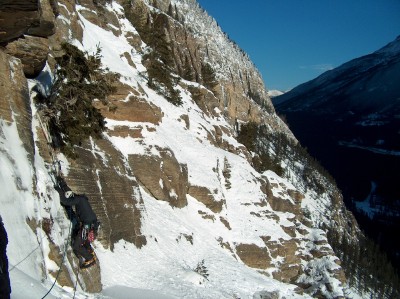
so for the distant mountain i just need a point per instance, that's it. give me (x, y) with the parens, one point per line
(349, 119)
(363, 89)
(274, 93)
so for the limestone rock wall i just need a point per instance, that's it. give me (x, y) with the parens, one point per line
(14, 97)
(16, 17)
(24, 28)
(162, 176)
(240, 92)
(32, 51)
(101, 173)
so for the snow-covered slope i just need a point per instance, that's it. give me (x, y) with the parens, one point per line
(203, 223)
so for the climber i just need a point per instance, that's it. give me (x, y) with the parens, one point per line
(5, 286)
(84, 223)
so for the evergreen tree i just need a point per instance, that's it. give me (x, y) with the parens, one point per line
(158, 39)
(159, 60)
(79, 79)
(162, 63)
(170, 10)
(247, 135)
(367, 268)
(208, 76)
(188, 72)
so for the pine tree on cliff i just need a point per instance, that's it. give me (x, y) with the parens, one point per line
(79, 79)
(208, 76)
(159, 61)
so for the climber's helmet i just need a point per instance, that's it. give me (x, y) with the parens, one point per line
(69, 194)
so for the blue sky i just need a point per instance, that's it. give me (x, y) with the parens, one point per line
(293, 41)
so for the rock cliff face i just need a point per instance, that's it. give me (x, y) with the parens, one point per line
(263, 214)
(27, 24)
(15, 98)
(17, 18)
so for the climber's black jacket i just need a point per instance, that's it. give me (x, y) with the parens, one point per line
(82, 206)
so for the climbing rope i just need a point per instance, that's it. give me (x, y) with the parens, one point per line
(62, 261)
(29, 254)
(76, 281)
(56, 166)
(54, 171)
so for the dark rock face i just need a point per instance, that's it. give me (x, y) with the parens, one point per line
(19, 5)
(14, 24)
(32, 51)
(46, 25)
(24, 25)
(25, 17)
